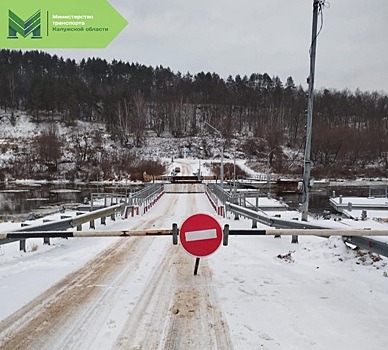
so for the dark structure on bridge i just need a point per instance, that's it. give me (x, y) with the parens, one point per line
(189, 178)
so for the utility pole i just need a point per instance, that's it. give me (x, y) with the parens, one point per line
(317, 6)
(307, 161)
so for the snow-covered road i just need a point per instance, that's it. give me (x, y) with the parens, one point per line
(138, 293)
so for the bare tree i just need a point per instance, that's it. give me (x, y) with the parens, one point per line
(139, 119)
(48, 148)
(273, 135)
(124, 122)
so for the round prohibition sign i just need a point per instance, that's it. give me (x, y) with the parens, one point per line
(200, 235)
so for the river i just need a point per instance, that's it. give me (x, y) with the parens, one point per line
(319, 198)
(18, 200)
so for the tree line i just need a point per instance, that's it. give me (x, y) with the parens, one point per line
(349, 128)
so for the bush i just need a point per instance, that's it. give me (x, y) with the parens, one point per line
(228, 171)
(150, 167)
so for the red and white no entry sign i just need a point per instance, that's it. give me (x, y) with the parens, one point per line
(200, 235)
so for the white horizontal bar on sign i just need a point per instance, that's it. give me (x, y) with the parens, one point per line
(201, 235)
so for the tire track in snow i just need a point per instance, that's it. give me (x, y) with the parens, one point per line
(35, 325)
(197, 321)
(103, 309)
(79, 311)
(98, 325)
(38, 322)
(178, 310)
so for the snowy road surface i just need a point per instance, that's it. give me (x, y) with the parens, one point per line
(140, 293)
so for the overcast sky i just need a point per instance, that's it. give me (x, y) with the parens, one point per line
(255, 36)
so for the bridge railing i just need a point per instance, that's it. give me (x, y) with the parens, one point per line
(146, 196)
(368, 243)
(240, 206)
(133, 198)
(220, 194)
(141, 198)
(105, 199)
(239, 198)
(68, 223)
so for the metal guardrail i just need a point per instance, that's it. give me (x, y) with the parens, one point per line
(212, 196)
(233, 197)
(261, 216)
(140, 198)
(368, 244)
(68, 223)
(257, 215)
(145, 196)
(147, 191)
(371, 244)
(220, 193)
(108, 198)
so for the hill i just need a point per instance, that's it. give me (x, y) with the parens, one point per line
(131, 106)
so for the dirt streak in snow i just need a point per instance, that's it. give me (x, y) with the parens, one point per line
(178, 310)
(44, 316)
(173, 308)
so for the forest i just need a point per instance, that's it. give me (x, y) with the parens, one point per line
(350, 129)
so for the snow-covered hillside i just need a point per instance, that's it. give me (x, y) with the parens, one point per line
(88, 145)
